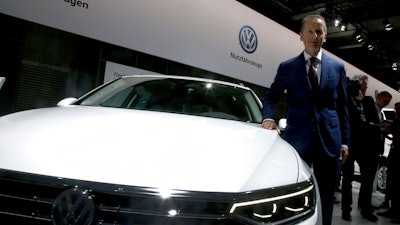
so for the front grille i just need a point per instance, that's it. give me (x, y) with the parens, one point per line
(35, 199)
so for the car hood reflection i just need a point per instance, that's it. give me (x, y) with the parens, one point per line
(149, 149)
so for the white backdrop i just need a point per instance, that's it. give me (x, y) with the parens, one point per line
(203, 34)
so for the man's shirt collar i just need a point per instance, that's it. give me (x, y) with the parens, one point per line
(307, 56)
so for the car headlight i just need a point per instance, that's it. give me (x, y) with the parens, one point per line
(277, 205)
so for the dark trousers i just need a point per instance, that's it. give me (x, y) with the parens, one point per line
(325, 169)
(394, 179)
(347, 180)
(368, 166)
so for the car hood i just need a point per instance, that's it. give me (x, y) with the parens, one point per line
(148, 149)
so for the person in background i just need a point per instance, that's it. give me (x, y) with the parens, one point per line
(372, 148)
(317, 116)
(394, 170)
(386, 202)
(357, 88)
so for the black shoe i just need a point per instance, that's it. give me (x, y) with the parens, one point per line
(374, 207)
(369, 216)
(384, 205)
(346, 216)
(388, 213)
(365, 208)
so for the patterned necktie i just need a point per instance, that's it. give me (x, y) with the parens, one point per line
(313, 77)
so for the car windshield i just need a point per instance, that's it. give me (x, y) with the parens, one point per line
(183, 96)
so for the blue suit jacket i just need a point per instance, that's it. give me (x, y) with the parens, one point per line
(330, 111)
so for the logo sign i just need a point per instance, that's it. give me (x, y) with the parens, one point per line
(73, 206)
(248, 39)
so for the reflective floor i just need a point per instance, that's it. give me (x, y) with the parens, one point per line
(377, 199)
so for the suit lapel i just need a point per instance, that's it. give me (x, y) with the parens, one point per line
(324, 67)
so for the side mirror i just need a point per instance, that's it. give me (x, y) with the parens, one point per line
(66, 101)
(282, 124)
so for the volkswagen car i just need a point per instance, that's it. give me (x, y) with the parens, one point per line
(152, 149)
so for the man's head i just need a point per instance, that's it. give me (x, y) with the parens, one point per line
(383, 99)
(363, 83)
(313, 33)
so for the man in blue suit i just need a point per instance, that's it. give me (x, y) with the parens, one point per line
(317, 122)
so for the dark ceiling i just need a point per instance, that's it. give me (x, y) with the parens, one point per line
(360, 16)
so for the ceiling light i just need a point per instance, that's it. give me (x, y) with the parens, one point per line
(359, 38)
(394, 66)
(371, 45)
(337, 22)
(388, 25)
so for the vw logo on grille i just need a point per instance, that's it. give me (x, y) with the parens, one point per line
(248, 39)
(73, 207)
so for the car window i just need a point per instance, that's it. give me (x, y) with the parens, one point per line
(180, 96)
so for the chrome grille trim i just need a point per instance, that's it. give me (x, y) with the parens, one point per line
(27, 199)
(33, 196)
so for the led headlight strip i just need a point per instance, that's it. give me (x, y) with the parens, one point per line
(260, 201)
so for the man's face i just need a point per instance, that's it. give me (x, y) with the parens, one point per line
(382, 101)
(363, 87)
(313, 35)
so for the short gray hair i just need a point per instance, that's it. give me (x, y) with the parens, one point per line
(311, 17)
(360, 78)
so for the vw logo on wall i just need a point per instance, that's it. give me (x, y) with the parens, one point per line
(248, 39)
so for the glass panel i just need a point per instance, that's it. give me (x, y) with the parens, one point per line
(182, 96)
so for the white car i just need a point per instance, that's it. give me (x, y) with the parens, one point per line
(152, 149)
(389, 115)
